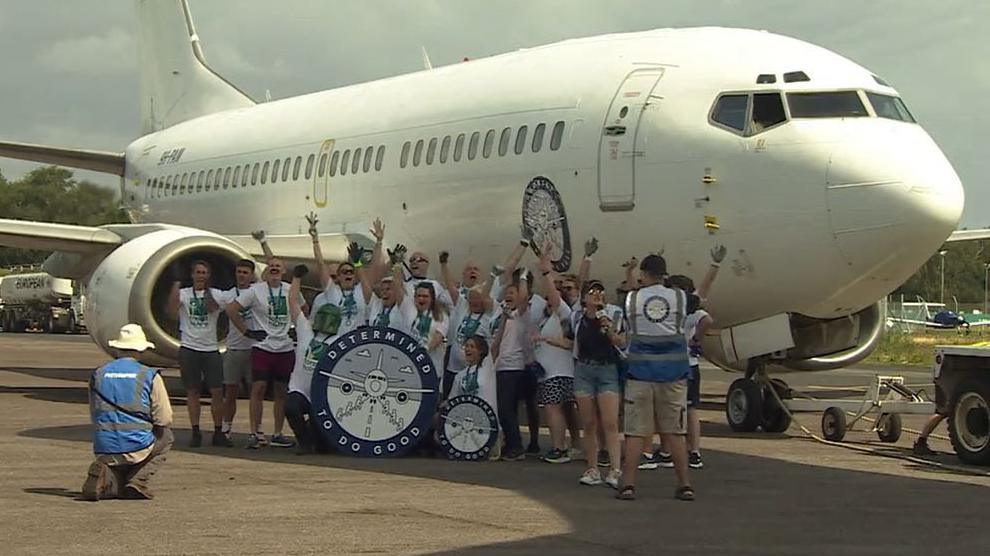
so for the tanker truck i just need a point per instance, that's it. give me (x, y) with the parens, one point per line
(38, 301)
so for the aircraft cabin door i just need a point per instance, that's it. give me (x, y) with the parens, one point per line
(321, 177)
(618, 148)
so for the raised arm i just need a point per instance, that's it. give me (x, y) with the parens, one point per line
(295, 308)
(512, 262)
(632, 273)
(546, 279)
(259, 236)
(448, 278)
(397, 261)
(718, 255)
(584, 270)
(326, 272)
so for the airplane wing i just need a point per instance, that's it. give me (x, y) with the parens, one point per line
(97, 161)
(968, 235)
(47, 236)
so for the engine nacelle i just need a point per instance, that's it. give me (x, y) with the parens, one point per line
(798, 342)
(131, 286)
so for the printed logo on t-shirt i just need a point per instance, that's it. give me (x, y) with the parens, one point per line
(348, 307)
(421, 329)
(468, 327)
(314, 353)
(656, 309)
(197, 313)
(278, 311)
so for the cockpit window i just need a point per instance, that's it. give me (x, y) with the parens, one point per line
(890, 107)
(730, 111)
(768, 111)
(839, 104)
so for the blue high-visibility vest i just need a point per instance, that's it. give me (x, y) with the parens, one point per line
(128, 427)
(657, 349)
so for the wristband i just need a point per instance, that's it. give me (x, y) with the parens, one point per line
(524, 242)
(587, 258)
(358, 264)
(546, 272)
(716, 265)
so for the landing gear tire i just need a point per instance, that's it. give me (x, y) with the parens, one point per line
(969, 422)
(889, 427)
(834, 424)
(775, 417)
(744, 405)
(72, 328)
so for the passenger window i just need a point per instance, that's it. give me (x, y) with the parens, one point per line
(444, 149)
(404, 157)
(275, 167)
(286, 166)
(182, 188)
(357, 161)
(254, 173)
(458, 147)
(538, 137)
(557, 136)
(309, 165)
(768, 111)
(199, 180)
(237, 175)
(226, 178)
(473, 145)
(730, 111)
(368, 153)
(168, 184)
(431, 151)
(296, 167)
(418, 152)
(503, 141)
(264, 173)
(486, 151)
(344, 161)
(322, 170)
(379, 158)
(244, 175)
(209, 178)
(333, 163)
(521, 140)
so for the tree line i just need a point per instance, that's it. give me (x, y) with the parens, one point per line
(965, 274)
(51, 194)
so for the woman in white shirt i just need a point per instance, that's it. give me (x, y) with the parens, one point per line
(430, 325)
(478, 378)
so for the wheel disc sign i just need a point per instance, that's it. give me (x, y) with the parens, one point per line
(468, 428)
(374, 393)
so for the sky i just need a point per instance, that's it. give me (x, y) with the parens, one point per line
(68, 69)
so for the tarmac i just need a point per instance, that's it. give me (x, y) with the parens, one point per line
(758, 493)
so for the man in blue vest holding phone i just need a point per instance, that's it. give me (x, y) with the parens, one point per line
(131, 417)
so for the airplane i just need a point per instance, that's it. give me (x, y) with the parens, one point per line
(926, 314)
(808, 167)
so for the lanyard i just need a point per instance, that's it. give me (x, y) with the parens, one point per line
(272, 296)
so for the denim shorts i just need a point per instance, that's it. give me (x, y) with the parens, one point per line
(595, 379)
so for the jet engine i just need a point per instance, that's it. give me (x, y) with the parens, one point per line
(132, 284)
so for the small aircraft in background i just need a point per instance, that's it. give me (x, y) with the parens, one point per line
(909, 316)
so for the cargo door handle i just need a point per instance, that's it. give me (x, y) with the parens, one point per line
(615, 130)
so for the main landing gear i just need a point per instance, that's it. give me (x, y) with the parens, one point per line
(750, 404)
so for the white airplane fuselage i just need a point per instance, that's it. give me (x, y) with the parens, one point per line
(821, 216)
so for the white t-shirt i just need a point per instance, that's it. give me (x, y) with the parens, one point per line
(511, 352)
(463, 325)
(399, 317)
(270, 309)
(197, 324)
(556, 361)
(690, 326)
(478, 380)
(236, 340)
(308, 354)
(422, 328)
(353, 308)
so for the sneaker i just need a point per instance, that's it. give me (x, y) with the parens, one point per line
(533, 450)
(694, 460)
(196, 440)
(648, 461)
(496, 453)
(282, 441)
(514, 455)
(591, 477)
(921, 448)
(575, 454)
(253, 442)
(218, 439)
(227, 440)
(664, 459)
(603, 458)
(613, 477)
(262, 441)
(557, 456)
(134, 492)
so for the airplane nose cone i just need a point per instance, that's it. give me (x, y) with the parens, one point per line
(893, 199)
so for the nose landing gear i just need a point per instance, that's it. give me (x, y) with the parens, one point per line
(750, 404)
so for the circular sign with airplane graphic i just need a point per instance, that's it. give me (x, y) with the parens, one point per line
(374, 393)
(545, 221)
(468, 428)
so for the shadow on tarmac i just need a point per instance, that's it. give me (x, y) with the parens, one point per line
(746, 504)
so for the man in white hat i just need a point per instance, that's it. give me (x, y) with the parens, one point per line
(131, 417)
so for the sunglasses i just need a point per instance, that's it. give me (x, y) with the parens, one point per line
(346, 272)
(419, 260)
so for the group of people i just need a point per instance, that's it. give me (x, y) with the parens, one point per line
(596, 372)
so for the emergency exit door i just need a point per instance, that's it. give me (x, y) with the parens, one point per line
(618, 150)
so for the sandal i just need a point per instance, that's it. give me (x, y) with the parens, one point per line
(627, 492)
(684, 493)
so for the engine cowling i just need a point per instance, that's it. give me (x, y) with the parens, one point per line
(131, 285)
